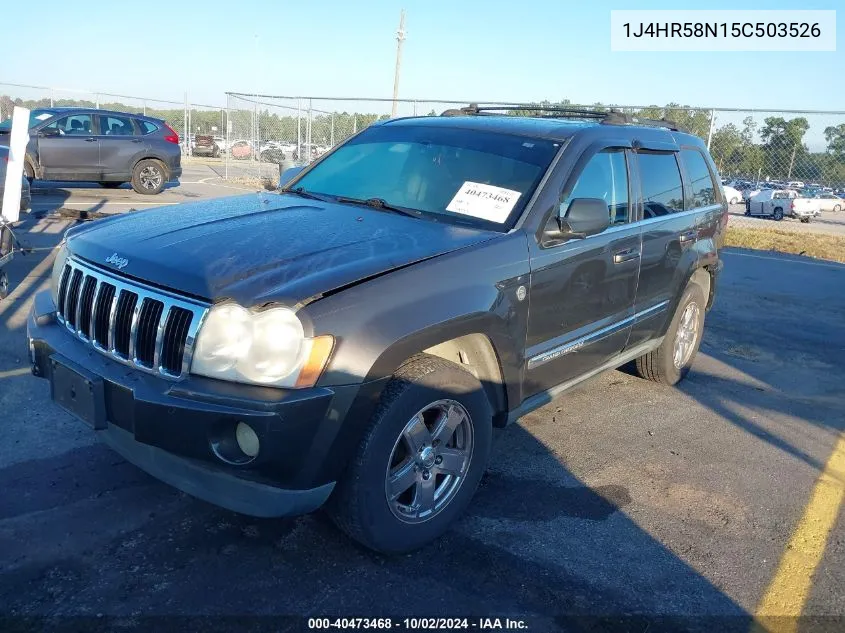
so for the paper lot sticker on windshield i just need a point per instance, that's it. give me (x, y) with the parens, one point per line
(484, 201)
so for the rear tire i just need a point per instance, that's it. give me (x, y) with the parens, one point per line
(149, 176)
(426, 390)
(837, 208)
(28, 171)
(110, 185)
(671, 362)
(4, 284)
(778, 214)
(805, 220)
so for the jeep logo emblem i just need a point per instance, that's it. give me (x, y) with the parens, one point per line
(116, 261)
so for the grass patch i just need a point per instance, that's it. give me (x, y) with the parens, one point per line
(266, 183)
(818, 245)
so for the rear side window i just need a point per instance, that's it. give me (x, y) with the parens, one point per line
(605, 176)
(147, 127)
(662, 190)
(111, 125)
(702, 186)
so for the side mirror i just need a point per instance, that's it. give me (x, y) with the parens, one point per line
(289, 174)
(584, 217)
(46, 132)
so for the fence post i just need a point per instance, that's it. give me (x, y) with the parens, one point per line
(354, 123)
(51, 97)
(145, 107)
(710, 134)
(257, 139)
(226, 132)
(299, 128)
(308, 132)
(331, 139)
(415, 107)
(187, 139)
(97, 100)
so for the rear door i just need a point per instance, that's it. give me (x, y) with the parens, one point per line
(73, 153)
(121, 144)
(669, 233)
(582, 290)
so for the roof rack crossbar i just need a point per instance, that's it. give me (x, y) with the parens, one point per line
(612, 116)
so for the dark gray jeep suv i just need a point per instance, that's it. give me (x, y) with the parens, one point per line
(352, 339)
(86, 144)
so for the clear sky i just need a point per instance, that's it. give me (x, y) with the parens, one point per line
(461, 49)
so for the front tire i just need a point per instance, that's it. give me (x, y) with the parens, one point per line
(837, 208)
(671, 362)
(420, 461)
(149, 176)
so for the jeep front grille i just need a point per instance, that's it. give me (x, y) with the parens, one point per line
(143, 327)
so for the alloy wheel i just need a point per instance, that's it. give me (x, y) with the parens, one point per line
(429, 461)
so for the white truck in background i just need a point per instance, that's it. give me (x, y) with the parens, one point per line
(781, 203)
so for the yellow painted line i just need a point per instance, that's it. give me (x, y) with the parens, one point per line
(789, 590)
(15, 372)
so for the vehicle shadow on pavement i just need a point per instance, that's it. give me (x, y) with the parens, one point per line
(87, 533)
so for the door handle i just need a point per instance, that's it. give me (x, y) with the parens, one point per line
(90, 140)
(626, 256)
(136, 140)
(689, 236)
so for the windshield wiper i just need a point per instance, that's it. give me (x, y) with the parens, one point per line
(300, 191)
(378, 203)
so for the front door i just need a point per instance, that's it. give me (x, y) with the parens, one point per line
(71, 151)
(582, 291)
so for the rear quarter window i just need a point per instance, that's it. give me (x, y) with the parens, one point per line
(660, 178)
(703, 190)
(147, 127)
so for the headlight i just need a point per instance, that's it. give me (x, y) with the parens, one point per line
(264, 348)
(58, 267)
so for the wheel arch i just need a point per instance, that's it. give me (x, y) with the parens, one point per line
(475, 344)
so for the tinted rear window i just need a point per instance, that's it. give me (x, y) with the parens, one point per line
(661, 184)
(703, 188)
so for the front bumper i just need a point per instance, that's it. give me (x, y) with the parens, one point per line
(175, 430)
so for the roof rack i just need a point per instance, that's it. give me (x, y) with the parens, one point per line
(613, 116)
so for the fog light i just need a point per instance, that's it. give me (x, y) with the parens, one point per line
(247, 439)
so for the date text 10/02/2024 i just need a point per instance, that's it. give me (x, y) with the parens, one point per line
(418, 624)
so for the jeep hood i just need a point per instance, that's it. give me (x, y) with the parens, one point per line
(264, 247)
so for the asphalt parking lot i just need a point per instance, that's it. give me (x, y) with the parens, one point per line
(620, 500)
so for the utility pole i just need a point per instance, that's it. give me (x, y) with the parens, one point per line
(400, 38)
(792, 161)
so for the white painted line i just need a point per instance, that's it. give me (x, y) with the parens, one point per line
(786, 260)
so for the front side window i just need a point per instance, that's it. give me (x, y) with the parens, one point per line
(702, 186)
(111, 125)
(478, 177)
(73, 125)
(605, 176)
(660, 179)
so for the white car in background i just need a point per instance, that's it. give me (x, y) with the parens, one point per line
(830, 202)
(733, 196)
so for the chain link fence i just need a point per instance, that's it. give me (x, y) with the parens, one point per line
(752, 148)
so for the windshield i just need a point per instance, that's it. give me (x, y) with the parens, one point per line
(448, 174)
(35, 117)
